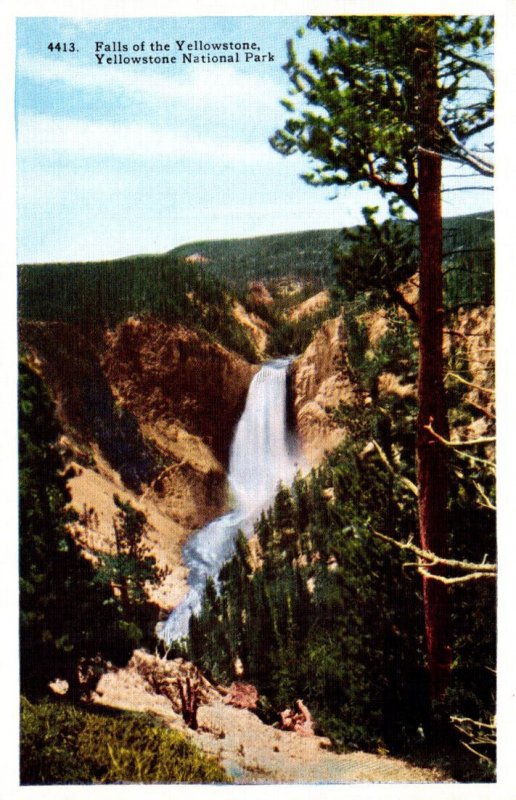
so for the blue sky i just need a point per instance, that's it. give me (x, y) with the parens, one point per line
(114, 160)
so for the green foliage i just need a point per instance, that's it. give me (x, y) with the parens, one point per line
(293, 337)
(63, 744)
(329, 616)
(48, 743)
(359, 112)
(310, 255)
(377, 258)
(394, 353)
(307, 255)
(131, 568)
(64, 615)
(469, 261)
(108, 292)
(472, 538)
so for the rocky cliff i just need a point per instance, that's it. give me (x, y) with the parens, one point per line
(148, 410)
(322, 379)
(165, 374)
(318, 302)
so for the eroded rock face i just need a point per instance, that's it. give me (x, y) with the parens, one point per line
(254, 325)
(321, 380)
(258, 294)
(165, 374)
(157, 401)
(318, 302)
(471, 339)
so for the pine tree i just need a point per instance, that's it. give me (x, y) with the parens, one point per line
(63, 615)
(130, 569)
(384, 107)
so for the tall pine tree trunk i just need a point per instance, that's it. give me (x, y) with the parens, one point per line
(431, 454)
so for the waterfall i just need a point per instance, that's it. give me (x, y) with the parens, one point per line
(263, 453)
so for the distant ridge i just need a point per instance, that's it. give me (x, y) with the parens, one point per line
(306, 253)
(309, 254)
(160, 283)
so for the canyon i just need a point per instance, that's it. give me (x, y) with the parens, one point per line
(149, 409)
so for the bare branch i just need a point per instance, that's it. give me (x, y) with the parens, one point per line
(158, 478)
(468, 383)
(462, 154)
(457, 444)
(475, 722)
(458, 175)
(479, 734)
(470, 62)
(405, 481)
(453, 332)
(472, 576)
(475, 571)
(469, 189)
(484, 411)
(476, 753)
(487, 502)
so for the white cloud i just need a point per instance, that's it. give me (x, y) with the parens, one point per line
(210, 84)
(42, 134)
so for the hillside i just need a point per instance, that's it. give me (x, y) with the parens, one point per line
(192, 282)
(306, 254)
(309, 254)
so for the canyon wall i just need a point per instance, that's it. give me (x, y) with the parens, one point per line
(148, 412)
(322, 379)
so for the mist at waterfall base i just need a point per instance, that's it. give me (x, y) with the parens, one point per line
(263, 454)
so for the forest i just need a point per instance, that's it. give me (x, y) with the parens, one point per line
(368, 588)
(160, 284)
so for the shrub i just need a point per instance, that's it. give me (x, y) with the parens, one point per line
(64, 744)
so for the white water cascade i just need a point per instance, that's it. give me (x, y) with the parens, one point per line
(263, 453)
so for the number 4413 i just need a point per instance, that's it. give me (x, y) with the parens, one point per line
(65, 47)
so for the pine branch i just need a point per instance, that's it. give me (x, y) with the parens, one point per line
(404, 190)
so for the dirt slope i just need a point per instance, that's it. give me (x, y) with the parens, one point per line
(92, 491)
(252, 752)
(258, 329)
